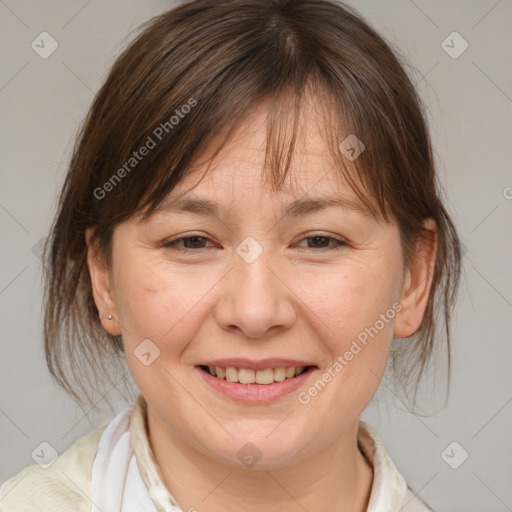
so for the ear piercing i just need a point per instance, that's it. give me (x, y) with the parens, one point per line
(110, 317)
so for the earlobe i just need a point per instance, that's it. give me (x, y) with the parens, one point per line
(101, 286)
(417, 283)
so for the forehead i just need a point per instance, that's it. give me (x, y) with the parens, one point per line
(237, 171)
(242, 166)
(228, 190)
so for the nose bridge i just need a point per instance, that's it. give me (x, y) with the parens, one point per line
(252, 264)
(254, 300)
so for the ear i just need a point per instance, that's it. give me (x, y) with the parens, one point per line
(417, 283)
(101, 286)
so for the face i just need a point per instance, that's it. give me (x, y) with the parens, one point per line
(257, 287)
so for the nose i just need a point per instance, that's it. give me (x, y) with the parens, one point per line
(255, 298)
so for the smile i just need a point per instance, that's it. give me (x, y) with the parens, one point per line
(249, 376)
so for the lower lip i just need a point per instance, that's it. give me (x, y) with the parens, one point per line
(255, 393)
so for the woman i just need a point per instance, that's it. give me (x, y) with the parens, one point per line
(249, 219)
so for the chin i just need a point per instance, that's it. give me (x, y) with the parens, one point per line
(260, 451)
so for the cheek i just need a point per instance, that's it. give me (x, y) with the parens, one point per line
(354, 311)
(140, 299)
(159, 303)
(343, 304)
(355, 318)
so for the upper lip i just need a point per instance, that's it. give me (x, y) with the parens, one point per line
(262, 364)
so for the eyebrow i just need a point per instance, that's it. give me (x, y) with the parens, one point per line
(297, 208)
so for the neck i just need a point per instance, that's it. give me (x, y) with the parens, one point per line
(338, 478)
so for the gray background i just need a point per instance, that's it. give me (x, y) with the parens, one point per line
(469, 99)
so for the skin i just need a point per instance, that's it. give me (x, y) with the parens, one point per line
(297, 299)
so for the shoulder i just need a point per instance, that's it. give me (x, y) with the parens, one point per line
(63, 486)
(390, 490)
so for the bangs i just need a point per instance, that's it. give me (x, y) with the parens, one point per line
(288, 113)
(264, 60)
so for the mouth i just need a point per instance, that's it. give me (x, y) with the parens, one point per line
(255, 382)
(264, 377)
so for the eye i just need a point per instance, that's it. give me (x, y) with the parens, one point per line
(190, 243)
(325, 242)
(195, 242)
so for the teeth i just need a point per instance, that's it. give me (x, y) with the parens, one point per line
(231, 374)
(265, 376)
(248, 376)
(280, 374)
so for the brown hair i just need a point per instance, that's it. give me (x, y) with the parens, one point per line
(201, 68)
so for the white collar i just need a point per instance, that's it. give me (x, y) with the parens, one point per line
(125, 475)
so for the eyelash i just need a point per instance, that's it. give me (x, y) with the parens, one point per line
(174, 244)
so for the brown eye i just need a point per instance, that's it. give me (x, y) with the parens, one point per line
(320, 241)
(324, 242)
(187, 243)
(194, 242)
